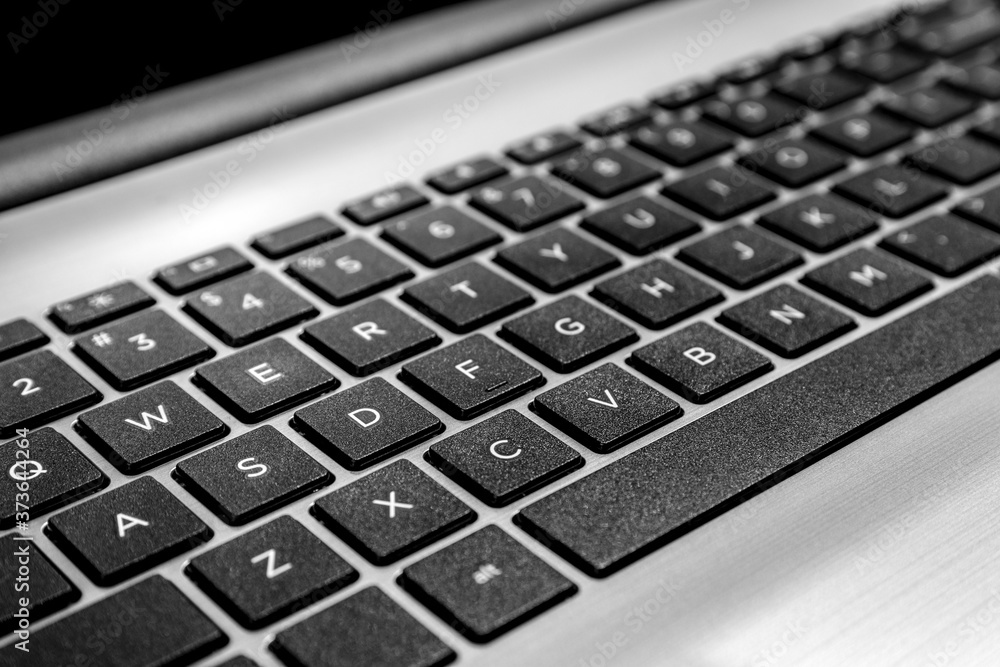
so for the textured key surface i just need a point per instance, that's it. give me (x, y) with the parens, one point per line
(486, 583)
(793, 163)
(297, 236)
(614, 120)
(944, 244)
(366, 424)
(526, 202)
(543, 146)
(392, 512)
(864, 134)
(883, 66)
(39, 388)
(385, 204)
(19, 336)
(348, 271)
(868, 281)
(820, 222)
(639, 225)
(983, 209)
(823, 90)
(270, 572)
(964, 160)
(503, 458)
(99, 307)
(684, 479)
(439, 236)
(892, 190)
(684, 93)
(752, 117)
(930, 107)
(45, 588)
(556, 260)
(466, 175)
(604, 173)
(681, 144)
(718, 193)
(126, 530)
(740, 257)
(202, 270)
(606, 408)
(251, 475)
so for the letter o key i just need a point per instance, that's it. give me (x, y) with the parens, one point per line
(569, 327)
(495, 451)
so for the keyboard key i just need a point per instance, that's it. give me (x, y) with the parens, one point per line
(556, 260)
(470, 377)
(46, 589)
(141, 349)
(787, 321)
(270, 572)
(752, 117)
(615, 120)
(466, 297)
(251, 475)
(99, 307)
(892, 190)
(385, 204)
(793, 163)
(870, 282)
(983, 209)
(685, 93)
(439, 236)
(977, 81)
(604, 173)
(820, 222)
(718, 193)
(682, 143)
(884, 66)
(504, 458)
(263, 380)
(19, 336)
(365, 424)
(639, 225)
(946, 245)
(348, 271)
(369, 337)
(203, 270)
(728, 455)
(990, 130)
(749, 68)
(239, 661)
(161, 626)
(525, 203)
(126, 530)
(700, 363)
(370, 629)
(929, 107)
(864, 134)
(56, 471)
(568, 334)
(656, 294)
(40, 388)
(606, 408)
(823, 90)
(466, 175)
(963, 160)
(143, 429)
(295, 237)
(485, 584)
(953, 34)
(740, 257)
(392, 512)
(543, 146)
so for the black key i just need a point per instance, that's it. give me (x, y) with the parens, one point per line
(682, 143)
(556, 260)
(639, 225)
(263, 380)
(142, 430)
(202, 270)
(44, 589)
(466, 297)
(962, 160)
(892, 190)
(864, 135)
(951, 35)
(568, 334)
(153, 624)
(485, 584)
(946, 245)
(604, 173)
(656, 294)
(740, 257)
(19, 336)
(40, 388)
(870, 282)
(884, 66)
(823, 90)
(270, 572)
(752, 117)
(718, 193)
(126, 530)
(617, 119)
(682, 94)
(439, 236)
(369, 337)
(794, 162)
(820, 222)
(370, 629)
(470, 377)
(239, 661)
(348, 271)
(56, 472)
(248, 308)
(99, 307)
(930, 107)
(606, 408)
(748, 445)
(983, 209)
(365, 424)
(143, 348)
(392, 512)
(251, 475)
(543, 146)
(990, 130)
(749, 69)
(700, 363)
(297, 236)
(466, 175)
(787, 321)
(525, 203)
(503, 458)
(385, 204)
(977, 81)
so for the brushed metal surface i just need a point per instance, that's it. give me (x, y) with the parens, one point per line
(880, 554)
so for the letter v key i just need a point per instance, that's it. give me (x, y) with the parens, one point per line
(611, 402)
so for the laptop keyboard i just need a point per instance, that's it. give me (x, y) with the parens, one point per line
(850, 133)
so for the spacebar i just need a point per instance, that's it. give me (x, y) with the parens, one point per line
(623, 511)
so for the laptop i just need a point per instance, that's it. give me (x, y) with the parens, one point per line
(580, 333)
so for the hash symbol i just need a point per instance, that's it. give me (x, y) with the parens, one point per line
(101, 339)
